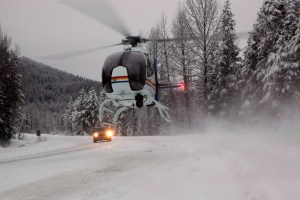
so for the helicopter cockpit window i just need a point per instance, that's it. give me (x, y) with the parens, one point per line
(135, 64)
(136, 67)
(110, 63)
(150, 71)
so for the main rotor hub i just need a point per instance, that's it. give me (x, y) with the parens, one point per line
(133, 40)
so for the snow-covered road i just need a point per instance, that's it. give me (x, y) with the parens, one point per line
(199, 166)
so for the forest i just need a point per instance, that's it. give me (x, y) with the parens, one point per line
(221, 80)
(47, 92)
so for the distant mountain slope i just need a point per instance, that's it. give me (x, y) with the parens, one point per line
(47, 92)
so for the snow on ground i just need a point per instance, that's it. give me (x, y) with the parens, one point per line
(211, 166)
(30, 145)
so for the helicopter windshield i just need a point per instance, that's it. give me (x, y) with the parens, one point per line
(135, 63)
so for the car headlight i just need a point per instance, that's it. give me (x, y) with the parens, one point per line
(109, 133)
(96, 134)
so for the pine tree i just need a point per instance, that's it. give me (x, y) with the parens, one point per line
(11, 96)
(282, 81)
(293, 52)
(25, 123)
(91, 110)
(78, 121)
(293, 47)
(266, 33)
(290, 21)
(2, 114)
(68, 117)
(224, 91)
(81, 116)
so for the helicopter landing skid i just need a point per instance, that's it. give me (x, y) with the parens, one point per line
(162, 109)
(104, 110)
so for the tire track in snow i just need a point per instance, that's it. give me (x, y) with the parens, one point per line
(47, 154)
(61, 186)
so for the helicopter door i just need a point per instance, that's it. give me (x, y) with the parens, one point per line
(110, 63)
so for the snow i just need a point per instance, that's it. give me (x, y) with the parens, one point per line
(234, 164)
(246, 104)
(266, 97)
(242, 43)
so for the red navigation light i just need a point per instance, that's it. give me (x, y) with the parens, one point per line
(181, 86)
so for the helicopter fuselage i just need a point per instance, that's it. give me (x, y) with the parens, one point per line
(122, 92)
(128, 78)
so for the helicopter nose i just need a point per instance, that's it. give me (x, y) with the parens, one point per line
(119, 80)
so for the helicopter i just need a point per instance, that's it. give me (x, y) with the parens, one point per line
(129, 77)
(130, 80)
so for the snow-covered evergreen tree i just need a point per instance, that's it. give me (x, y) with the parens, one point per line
(78, 116)
(91, 110)
(223, 96)
(282, 80)
(290, 22)
(11, 96)
(2, 114)
(261, 44)
(25, 123)
(81, 116)
(293, 47)
(68, 120)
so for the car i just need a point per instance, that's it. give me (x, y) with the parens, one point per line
(102, 133)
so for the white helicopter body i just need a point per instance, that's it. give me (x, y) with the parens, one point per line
(122, 92)
(129, 80)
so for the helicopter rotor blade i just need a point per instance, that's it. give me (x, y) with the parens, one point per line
(101, 11)
(170, 39)
(66, 55)
(241, 35)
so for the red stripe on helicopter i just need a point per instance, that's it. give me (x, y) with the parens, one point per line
(150, 83)
(119, 79)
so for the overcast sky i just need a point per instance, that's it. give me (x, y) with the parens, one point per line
(43, 27)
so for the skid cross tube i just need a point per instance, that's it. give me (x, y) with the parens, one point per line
(162, 109)
(114, 114)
